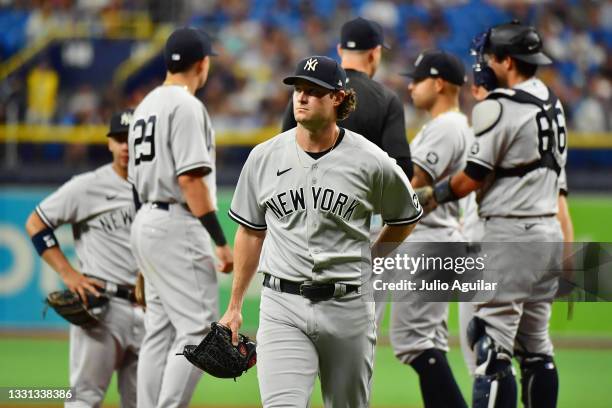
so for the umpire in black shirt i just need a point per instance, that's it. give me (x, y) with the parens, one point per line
(379, 115)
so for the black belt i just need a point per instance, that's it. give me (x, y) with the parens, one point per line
(126, 292)
(311, 290)
(162, 205)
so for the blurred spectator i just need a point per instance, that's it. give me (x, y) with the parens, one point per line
(43, 84)
(46, 18)
(592, 113)
(83, 106)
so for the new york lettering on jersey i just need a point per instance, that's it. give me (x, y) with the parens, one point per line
(323, 199)
(285, 190)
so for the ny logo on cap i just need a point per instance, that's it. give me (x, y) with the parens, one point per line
(418, 60)
(126, 118)
(311, 64)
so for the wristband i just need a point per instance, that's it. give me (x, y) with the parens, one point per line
(211, 223)
(44, 240)
(443, 193)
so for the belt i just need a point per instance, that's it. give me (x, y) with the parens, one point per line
(313, 291)
(162, 205)
(126, 292)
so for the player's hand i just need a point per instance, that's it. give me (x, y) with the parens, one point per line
(232, 319)
(226, 259)
(81, 284)
(426, 199)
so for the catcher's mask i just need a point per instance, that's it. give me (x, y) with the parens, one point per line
(519, 41)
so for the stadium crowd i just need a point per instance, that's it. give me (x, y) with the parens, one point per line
(260, 41)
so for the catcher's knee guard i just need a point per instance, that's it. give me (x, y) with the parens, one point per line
(539, 380)
(494, 384)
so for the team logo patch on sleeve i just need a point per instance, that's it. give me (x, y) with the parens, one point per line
(475, 148)
(432, 158)
(415, 201)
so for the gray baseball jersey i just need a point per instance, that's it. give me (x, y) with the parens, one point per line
(100, 207)
(520, 207)
(515, 139)
(440, 149)
(317, 212)
(171, 133)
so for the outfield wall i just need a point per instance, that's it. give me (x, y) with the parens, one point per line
(25, 279)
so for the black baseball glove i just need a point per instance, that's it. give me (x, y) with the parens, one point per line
(217, 356)
(70, 306)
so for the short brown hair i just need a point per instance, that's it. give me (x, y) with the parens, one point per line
(347, 106)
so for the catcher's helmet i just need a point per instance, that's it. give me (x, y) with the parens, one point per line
(518, 41)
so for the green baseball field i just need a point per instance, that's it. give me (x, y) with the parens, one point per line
(582, 333)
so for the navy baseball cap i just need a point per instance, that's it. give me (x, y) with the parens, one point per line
(319, 70)
(361, 34)
(438, 64)
(185, 46)
(120, 123)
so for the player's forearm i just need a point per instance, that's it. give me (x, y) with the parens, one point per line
(390, 237)
(420, 177)
(565, 219)
(247, 249)
(196, 193)
(53, 256)
(462, 184)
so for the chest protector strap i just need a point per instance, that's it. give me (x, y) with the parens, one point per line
(548, 110)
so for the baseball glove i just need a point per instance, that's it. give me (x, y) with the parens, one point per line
(139, 291)
(217, 356)
(70, 306)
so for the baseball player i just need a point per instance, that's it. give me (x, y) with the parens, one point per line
(473, 228)
(379, 115)
(99, 206)
(304, 202)
(419, 334)
(521, 149)
(172, 168)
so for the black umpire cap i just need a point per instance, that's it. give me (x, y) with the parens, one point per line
(319, 70)
(185, 46)
(518, 41)
(438, 64)
(361, 34)
(120, 123)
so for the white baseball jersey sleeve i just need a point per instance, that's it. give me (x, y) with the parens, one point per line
(516, 139)
(171, 133)
(440, 149)
(100, 208)
(317, 212)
